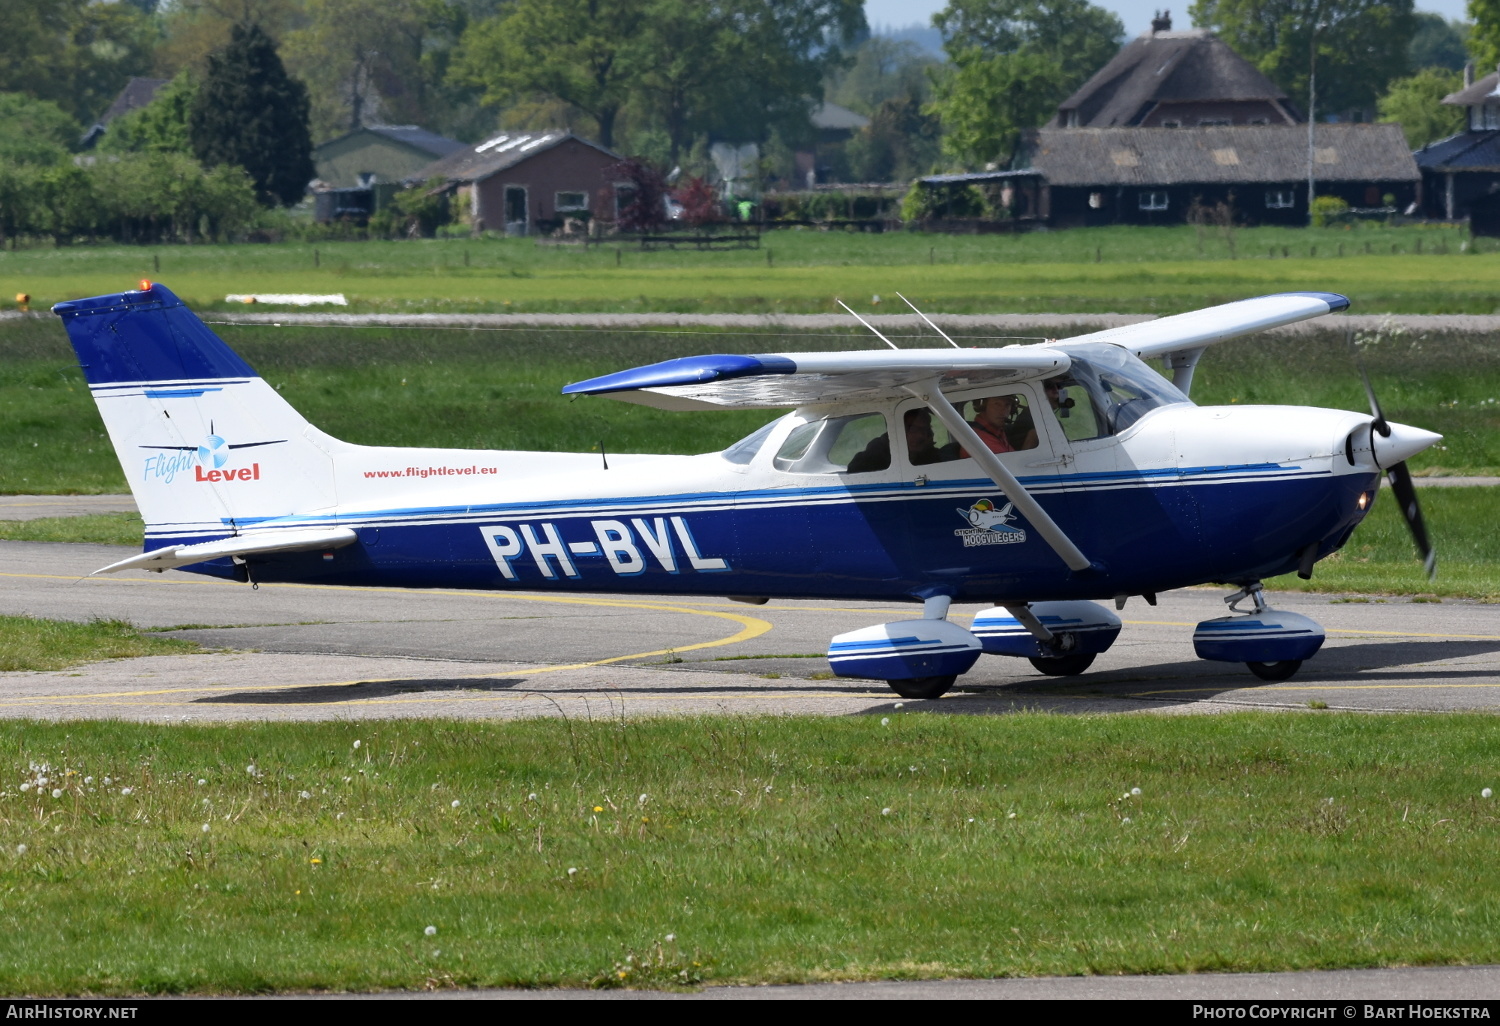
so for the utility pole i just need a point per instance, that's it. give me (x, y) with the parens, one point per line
(1312, 105)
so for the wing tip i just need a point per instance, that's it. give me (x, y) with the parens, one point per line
(1335, 301)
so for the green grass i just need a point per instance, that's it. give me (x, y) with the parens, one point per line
(769, 850)
(27, 643)
(1153, 270)
(93, 528)
(1381, 557)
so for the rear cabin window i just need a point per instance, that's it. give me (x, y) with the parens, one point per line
(854, 444)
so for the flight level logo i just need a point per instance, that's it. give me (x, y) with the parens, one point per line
(989, 526)
(206, 460)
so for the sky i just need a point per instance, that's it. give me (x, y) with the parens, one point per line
(1136, 14)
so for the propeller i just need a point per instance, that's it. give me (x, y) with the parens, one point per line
(1398, 440)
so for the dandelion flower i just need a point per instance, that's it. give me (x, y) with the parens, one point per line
(88, 780)
(26, 787)
(431, 931)
(598, 808)
(107, 781)
(250, 769)
(1125, 820)
(455, 803)
(572, 870)
(1011, 816)
(205, 828)
(642, 799)
(41, 781)
(127, 790)
(20, 849)
(671, 937)
(1486, 793)
(57, 792)
(885, 812)
(316, 861)
(531, 797)
(356, 742)
(1135, 791)
(971, 819)
(885, 721)
(911, 769)
(303, 794)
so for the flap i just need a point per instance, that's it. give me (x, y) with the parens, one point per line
(802, 379)
(291, 540)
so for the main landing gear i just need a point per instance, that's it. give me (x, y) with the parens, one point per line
(1270, 642)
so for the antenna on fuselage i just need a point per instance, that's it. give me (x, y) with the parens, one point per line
(924, 317)
(867, 324)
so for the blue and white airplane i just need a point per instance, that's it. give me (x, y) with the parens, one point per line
(1038, 478)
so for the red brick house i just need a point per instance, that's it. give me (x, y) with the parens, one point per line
(528, 182)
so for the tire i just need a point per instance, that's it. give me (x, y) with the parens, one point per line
(1275, 671)
(1065, 666)
(923, 687)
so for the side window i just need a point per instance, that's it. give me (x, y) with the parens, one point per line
(1003, 422)
(855, 444)
(1074, 408)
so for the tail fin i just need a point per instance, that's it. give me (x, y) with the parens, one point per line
(207, 446)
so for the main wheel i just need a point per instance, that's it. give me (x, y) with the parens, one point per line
(1065, 666)
(1275, 671)
(923, 687)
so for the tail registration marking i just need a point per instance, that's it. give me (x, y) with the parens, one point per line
(613, 541)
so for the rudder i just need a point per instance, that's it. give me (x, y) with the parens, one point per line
(207, 446)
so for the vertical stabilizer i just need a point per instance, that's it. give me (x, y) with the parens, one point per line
(207, 446)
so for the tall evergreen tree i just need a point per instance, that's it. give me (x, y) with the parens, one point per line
(251, 113)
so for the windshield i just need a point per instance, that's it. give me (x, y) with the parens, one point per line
(1122, 388)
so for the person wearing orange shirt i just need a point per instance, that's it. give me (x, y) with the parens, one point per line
(990, 417)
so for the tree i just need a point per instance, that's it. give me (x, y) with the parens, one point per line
(1438, 42)
(576, 51)
(883, 69)
(1416, 103)
(161, 126)
(34, 131)
(76, 53)
(1484, 38)
(251, 113)
(642, 198)
(1360, 45)
(1012, 63)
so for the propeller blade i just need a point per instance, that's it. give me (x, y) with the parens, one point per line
(1406, 497)
(1380, 424)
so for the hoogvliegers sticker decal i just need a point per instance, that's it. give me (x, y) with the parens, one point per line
(989, 526)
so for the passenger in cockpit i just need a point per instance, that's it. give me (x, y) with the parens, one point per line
(920, 445)
(991, 416)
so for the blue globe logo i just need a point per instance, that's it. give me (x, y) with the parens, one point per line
(213, 451)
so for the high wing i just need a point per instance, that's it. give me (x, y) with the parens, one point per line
(1199, 328)
(797, 379)
(300, 539)
(800, 379)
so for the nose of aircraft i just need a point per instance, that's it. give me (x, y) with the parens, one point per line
(1403, 442)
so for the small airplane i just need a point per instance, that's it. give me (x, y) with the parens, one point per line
(1077, 473)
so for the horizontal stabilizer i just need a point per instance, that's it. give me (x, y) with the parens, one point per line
(799, 379)
(1217, 323)
(292, 540)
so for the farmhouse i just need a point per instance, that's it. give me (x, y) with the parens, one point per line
(524, 182)
(1461, 174)
(358, 172)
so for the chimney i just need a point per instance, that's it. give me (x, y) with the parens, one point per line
(1162, 22)
(1468, 74)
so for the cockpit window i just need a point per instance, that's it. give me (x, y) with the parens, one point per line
(1105, 391)
(837, 445)
(743, 451)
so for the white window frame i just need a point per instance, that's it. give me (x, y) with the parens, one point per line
(1281, 199)
(563, 208)
(1148, 200)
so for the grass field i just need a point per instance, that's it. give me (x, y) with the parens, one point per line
(1418, 269)
(27, 643)
(682, 851)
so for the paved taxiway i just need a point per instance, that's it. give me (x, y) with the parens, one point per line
(310, 652)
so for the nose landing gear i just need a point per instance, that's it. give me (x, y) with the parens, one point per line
(1272, 643)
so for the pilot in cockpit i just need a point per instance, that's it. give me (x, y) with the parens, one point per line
(991, 418)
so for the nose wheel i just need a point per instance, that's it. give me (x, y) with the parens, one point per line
(1281, 670)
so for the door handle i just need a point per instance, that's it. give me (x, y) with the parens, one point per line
(1061, 461)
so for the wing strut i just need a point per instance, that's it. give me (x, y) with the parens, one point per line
(959, 428)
